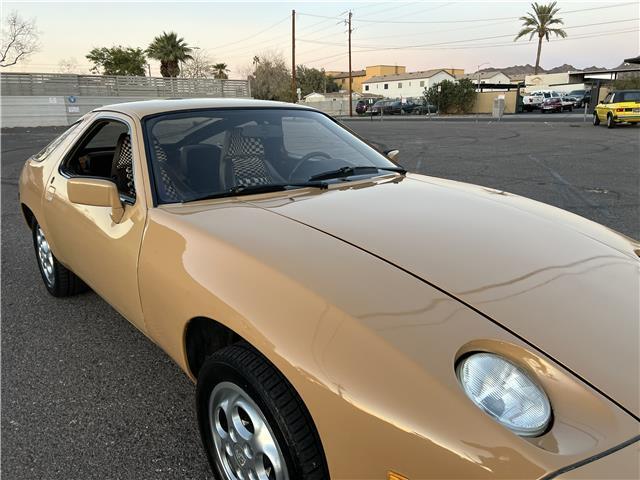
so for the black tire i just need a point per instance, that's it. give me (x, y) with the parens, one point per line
(596, 120)
(610, 122)
(60, 281)
(283, 409)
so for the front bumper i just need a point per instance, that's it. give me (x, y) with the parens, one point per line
(623, 463)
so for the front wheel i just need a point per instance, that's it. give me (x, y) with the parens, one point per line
(596, 120)
(252, 422)
(59, 280)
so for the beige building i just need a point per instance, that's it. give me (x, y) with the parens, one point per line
(361, 76)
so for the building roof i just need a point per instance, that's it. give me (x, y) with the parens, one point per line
(354, 73)
(406, 76)
(483, 75)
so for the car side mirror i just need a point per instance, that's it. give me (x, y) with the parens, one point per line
(96, 192)
(392, 154)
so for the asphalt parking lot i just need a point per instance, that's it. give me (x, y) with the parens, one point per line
(86, 396)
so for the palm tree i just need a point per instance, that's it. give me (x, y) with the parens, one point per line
(220, 70)
(170, 50)
(540, 22)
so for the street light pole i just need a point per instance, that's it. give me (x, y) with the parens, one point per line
(293, 54)
(478, 86)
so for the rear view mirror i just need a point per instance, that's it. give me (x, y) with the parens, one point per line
(96, 192)
(392, 154)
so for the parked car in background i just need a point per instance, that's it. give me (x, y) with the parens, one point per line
(361, 107)
(364, 105)
(622, 106)
(552, 103)
(582, 97)
(532, 101)
(391, 107)
(424, 109)
(380, 107)
(567, 102)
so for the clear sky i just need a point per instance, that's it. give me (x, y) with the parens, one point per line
(418, 34)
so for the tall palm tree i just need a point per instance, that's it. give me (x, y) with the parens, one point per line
(170, 50)
(220, 70)
(540, 22)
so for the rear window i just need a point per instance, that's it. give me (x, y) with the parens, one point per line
(628, 97)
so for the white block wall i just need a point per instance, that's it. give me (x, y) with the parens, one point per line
(17, 111)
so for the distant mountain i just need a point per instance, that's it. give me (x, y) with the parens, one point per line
(522, 70)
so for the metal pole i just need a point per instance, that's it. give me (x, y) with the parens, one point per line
(350, 75)
(293, 55)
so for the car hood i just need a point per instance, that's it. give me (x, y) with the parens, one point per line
(567, 286)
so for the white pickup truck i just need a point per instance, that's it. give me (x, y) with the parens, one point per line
(532, 101)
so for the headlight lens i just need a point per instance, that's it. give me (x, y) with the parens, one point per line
(505, 391)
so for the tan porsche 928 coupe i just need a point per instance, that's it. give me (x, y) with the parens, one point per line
(343, 318)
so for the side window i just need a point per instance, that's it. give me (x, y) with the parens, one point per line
(46, 151)
(608, 98)
(104, 151)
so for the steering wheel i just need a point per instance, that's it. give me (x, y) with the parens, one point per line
(305, 159)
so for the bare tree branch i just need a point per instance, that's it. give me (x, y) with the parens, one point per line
(20, 38)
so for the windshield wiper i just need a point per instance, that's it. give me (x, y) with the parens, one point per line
(254, 189)
(358, 170)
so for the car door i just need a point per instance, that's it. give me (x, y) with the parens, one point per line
(603, 107)
(85, 238)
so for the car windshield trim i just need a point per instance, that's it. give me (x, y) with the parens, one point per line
(241, 190)
(350, 171)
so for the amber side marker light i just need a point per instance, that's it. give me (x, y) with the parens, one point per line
(395, 476)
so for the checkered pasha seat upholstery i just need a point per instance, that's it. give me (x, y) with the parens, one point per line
(244, 160)
(122, 167)
(167, 182)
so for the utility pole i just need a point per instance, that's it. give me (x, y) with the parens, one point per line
(350, 74)
(293, 55)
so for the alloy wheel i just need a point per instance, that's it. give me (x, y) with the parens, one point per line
(245, 445)
(45, 257)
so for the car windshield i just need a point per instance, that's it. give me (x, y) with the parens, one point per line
(221, 152)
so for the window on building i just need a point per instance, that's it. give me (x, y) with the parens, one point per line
(366, 87)
(422, 83)
(399, 84)
(386, 86)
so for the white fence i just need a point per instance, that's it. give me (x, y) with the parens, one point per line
(50, 99)
(52, 84)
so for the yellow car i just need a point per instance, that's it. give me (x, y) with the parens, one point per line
(618, 107)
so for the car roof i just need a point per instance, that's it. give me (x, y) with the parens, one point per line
(144, 108)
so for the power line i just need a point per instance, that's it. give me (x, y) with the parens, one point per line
(252, 36)
(513, 44)
(419, 46)
(472, 20)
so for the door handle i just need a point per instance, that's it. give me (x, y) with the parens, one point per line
(50, 191)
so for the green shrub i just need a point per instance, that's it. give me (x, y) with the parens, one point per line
(453, 97)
